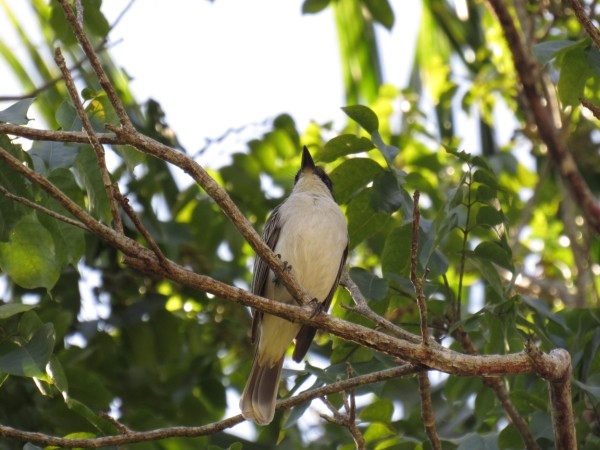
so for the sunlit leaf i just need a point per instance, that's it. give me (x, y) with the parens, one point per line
(364, 116)
(29, 255)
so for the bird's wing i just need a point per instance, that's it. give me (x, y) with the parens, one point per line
(307, 333)
(261, 269)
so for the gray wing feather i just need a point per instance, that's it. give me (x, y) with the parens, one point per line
(261, 269)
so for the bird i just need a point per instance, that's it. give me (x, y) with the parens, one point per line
(309, 232)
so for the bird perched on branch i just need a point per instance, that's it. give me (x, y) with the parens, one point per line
(309, 232)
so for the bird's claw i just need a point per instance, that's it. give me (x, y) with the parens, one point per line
(318, 307)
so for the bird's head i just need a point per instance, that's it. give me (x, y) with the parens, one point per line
(311, 177)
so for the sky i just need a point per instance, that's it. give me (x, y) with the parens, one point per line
(230, 64)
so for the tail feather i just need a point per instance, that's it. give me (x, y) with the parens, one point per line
(260, 394)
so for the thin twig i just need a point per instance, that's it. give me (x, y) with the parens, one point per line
(124, 201)
(128, 436)
(587, 23)
(361, 307)
(427, 411)
(417, 281)
(109, 187)
(42, 209)
(595, 109)
(88, 49)
(347, 420)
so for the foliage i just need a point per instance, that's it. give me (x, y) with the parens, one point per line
(507, 253)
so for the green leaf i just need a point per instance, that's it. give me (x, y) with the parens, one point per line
(486, 177)
(364, 116)
(53, 155)
(17, 112)
(389, 152)
(104, 426)
(345, 144)
(30, 359)
(351, 176)
(387, 194)
(363, 221)
(379, 411)
(314, 6)
(510, 438)
(396, 252)
(381, 11)
(86, 165)
(496, 253)
(548, 50)
(489, 273)
(11, 309)
(29, 255)
(574, 72)
(56, 373)
(489, 216)
(371, 286)
(67, 117)
(69, 240)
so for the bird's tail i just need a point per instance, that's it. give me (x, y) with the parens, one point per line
(260, 394)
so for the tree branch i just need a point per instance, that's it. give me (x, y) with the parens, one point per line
(109, 188)
(529, 73)
(89, 51)
(128, 436)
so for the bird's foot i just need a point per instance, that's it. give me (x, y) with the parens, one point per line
(318, 307)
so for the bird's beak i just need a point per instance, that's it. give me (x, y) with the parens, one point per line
(307, 161)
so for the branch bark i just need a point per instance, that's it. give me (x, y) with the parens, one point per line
(530, 75)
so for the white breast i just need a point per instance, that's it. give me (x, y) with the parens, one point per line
(312, 240)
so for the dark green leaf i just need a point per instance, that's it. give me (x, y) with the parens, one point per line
(396, 252)
(57, 375)
(86, 165)
(17, 112)
(11, 309)
(489, 273)
(102, 425)
(489, 216)
(363, 221)
(496, 253)
(30, 359)
(352, 175)
(389, 152)
(345, 144)
(381, 11)
(387, 195)
(314, 6)
(364, 116)
(371, 286)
